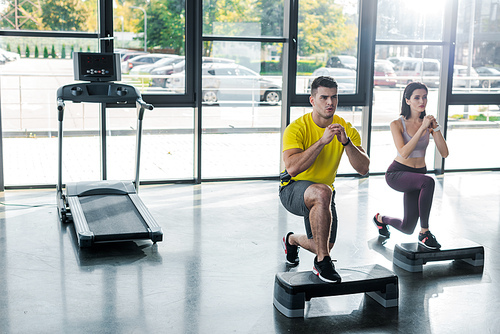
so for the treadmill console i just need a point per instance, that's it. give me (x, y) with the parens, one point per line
(100, 67)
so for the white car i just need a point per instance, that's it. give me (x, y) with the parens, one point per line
(10, 56)
(230, 82)
(345, 77)
(462, 77)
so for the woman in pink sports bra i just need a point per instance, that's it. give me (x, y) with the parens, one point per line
(407, 173)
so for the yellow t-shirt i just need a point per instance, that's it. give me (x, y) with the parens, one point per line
(303, 132)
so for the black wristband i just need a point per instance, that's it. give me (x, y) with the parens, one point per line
(348, 141)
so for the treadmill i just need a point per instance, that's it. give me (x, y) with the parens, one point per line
(103, 211)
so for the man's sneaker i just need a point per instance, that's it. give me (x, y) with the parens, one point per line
(291, 251)
(325, 270)
(383, 230)
(428, 240)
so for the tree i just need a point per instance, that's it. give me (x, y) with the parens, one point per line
(53, 52)
(27, 51)
(37, 53)
(166, 25)
(324, 28)
(45, 52)
(63, 15)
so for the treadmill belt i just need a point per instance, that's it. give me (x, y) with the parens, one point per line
(113, 217)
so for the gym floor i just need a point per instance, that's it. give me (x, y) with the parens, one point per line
(214, 271)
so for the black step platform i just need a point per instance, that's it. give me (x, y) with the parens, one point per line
(293, 289)
(412, 256)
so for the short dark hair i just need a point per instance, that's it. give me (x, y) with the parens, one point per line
(323, 81)
(410, 88)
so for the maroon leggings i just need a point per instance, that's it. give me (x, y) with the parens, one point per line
(418, 190)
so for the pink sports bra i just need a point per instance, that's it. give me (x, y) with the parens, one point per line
(422, 144)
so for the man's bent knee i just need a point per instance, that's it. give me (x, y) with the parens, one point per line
(318, 194)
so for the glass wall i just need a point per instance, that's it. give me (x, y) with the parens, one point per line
(249, 18)
(152, 45)
(241, 88)
(68, 15)
(241, 110)
(241, 81)
(405, 52)
(473, 121)
(29, 82)
(476, 70)
(477, 52)
(327, 43)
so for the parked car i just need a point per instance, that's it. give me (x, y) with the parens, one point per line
(342, 62)
(230, 82)
(492, 73)
(164, 71)
(142, 60)
(147, 68)
(462, 77)
(424, 70)
(345, 77)
(128, 55)
(384, 74)
(9, 55)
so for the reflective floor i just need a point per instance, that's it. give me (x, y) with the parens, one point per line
(214, 272)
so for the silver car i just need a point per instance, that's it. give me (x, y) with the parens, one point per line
(230, 82)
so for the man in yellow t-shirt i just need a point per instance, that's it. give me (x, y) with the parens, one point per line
(312, 147)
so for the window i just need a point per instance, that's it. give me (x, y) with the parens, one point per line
(327, 39)
(49, 15)
(477, 52)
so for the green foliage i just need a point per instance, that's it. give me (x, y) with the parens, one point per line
(324, 28)
(27, 51)
(45, 52)
(270, 67)
(72, 51)
(479, 117)
(8, 47)
(67, 15)
(53, 52)
(19, 50)
(37, 53)
(166, 21)
(63, 52)
(306, 67)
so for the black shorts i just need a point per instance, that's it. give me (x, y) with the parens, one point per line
(292, 198)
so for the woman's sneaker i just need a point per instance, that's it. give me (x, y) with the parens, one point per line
(383, 230)
(428, 240)
(325, 270)
(291, 251)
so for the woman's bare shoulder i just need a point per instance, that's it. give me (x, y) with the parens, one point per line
(396, 122)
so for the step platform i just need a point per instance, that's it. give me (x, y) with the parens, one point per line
(412, 256)
(293, 289)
